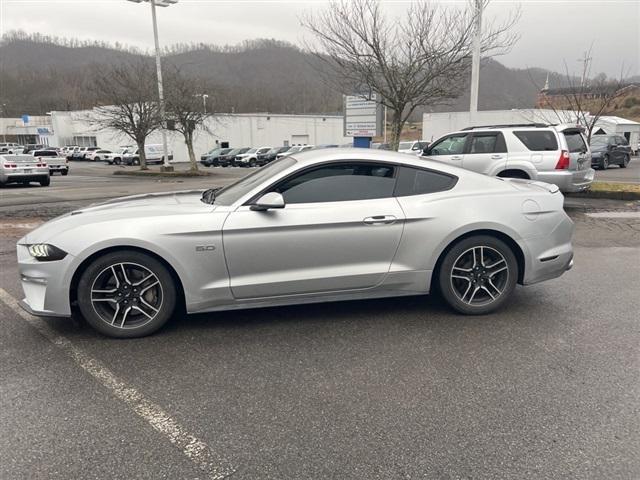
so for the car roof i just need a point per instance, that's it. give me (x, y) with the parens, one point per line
(310, 157)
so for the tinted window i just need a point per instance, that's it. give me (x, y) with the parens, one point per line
(232, 193)
(339, 183)
(45, 153)
(415, 181)
(575, 142)
(452, 145)
(622, 141)
(537, 140)
(487, 143)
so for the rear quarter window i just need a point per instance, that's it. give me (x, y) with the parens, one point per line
(537, 140)
(416, 181)
(575, 142)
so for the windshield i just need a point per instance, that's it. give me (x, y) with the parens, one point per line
(294, 149)
(45, 153)
(232, 193)
(253, 150)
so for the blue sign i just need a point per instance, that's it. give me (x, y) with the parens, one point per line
(43, 131)
(25, 119)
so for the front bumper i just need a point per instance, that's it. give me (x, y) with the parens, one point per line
(45, 284)
(569, 180)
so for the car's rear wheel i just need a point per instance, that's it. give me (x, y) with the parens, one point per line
(605, 162)
(116, 161)
(126, 294)
(45, 182)
(478, 274)
(625, 161)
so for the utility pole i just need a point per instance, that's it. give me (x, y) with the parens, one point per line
(204, 103)
(585, 60)
(475, 63)
(166, 167)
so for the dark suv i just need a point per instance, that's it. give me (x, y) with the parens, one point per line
(609, 149)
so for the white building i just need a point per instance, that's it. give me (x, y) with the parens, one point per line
(435, 125)
(619, 126)
(239, 130)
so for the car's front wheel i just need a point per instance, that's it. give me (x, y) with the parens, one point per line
(478, 274)
(625, 161)
(126, 294)
(605, 162)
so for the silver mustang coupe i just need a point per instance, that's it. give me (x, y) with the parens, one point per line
(325, 225)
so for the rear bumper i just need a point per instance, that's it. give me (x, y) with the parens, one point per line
(38, 176)
(569, 180)
(551, 255)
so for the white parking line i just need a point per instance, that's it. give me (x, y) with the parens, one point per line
(193, 448)
(630, 214)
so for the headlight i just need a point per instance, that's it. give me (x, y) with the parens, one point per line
(44, 252)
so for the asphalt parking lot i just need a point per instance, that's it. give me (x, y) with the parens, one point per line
(547, 388)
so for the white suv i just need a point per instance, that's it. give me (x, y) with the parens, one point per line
(554, 154)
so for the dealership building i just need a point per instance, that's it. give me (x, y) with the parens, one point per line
(239, 130)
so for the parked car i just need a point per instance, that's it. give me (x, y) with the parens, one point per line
(55, 161)
(210, 159)
(294, 149)
(30, 147)
(326, 225)
(69, 151)
(96, 155)
(558, 154)
(271, 155)
(210, 152)
(7, 146)
(415, 147)
(250, 157)
(227, 159)
(115, 158)
(23, 169)
(78, 153)
(609, 150)
(380, 146)
(152, 153)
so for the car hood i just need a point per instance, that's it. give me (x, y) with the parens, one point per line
(124, 208)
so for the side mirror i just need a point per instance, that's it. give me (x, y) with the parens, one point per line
(268, 201)
(426, 151)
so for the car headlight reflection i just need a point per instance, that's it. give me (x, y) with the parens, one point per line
(46, 253)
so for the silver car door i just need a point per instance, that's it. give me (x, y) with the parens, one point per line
(449, 149)
(313, 246)
(486, 153)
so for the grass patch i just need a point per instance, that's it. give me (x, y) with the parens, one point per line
(615, 187)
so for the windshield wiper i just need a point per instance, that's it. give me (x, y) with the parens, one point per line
(208, 196)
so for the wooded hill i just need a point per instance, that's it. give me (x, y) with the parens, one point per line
(39, 74)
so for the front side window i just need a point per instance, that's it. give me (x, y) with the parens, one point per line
(339, 183)
(451, 145)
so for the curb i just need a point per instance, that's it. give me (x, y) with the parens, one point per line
(152, 173)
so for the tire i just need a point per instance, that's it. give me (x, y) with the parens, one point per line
(625, 161)
(116, 309)
(604, 164)
(475, 290)
(96, 159)
(65, 172)
(252, 164)
(135, 161)
(117, 161)
(46, 182)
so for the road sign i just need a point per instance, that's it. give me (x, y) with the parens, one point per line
(362, 116)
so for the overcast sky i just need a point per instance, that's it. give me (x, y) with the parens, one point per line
(551, 31)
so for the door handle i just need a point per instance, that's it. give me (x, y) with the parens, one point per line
(380, 220)
(496, 157)
(456, 157)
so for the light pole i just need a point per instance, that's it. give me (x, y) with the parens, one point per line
(163, 118)
(204, 103)
(475, 61)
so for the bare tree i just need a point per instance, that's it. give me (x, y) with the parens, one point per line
(185, 107)
(584, 101)
(128, 102)
(422, 58)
